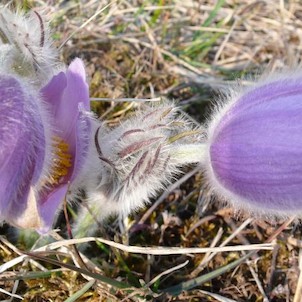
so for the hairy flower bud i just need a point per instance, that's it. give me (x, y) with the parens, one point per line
(131, 163)
(254, 147)
(25, 46)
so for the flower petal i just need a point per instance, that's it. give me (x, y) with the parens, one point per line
(22, 146)
(67, 94)
(255, 147)
(49, 208)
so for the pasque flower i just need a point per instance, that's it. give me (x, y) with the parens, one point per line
(44, 128)
(44, 141)
(129, 164)
(253, 155)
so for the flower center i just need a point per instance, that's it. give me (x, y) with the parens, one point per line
(61, 162)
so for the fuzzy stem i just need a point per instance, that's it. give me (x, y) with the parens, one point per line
(187, 154)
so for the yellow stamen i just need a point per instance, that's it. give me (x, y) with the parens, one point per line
(62, 160)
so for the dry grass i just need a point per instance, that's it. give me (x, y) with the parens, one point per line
(185, 50)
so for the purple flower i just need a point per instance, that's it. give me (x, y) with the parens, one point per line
(44, 144)
(67, 95)
(22, 150)
(254, 149)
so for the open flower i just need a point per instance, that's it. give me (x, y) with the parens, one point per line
(254, 147)
(44, 144)
(43, 126)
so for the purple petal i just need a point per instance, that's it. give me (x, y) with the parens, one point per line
(48, 208)
(255, 148)
(21, 149)
(64, 93)
(67, 94)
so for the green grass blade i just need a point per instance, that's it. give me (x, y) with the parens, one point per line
(213, 13)
(185, 286)
(80, 292)
(96, 276)
(32, 275)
